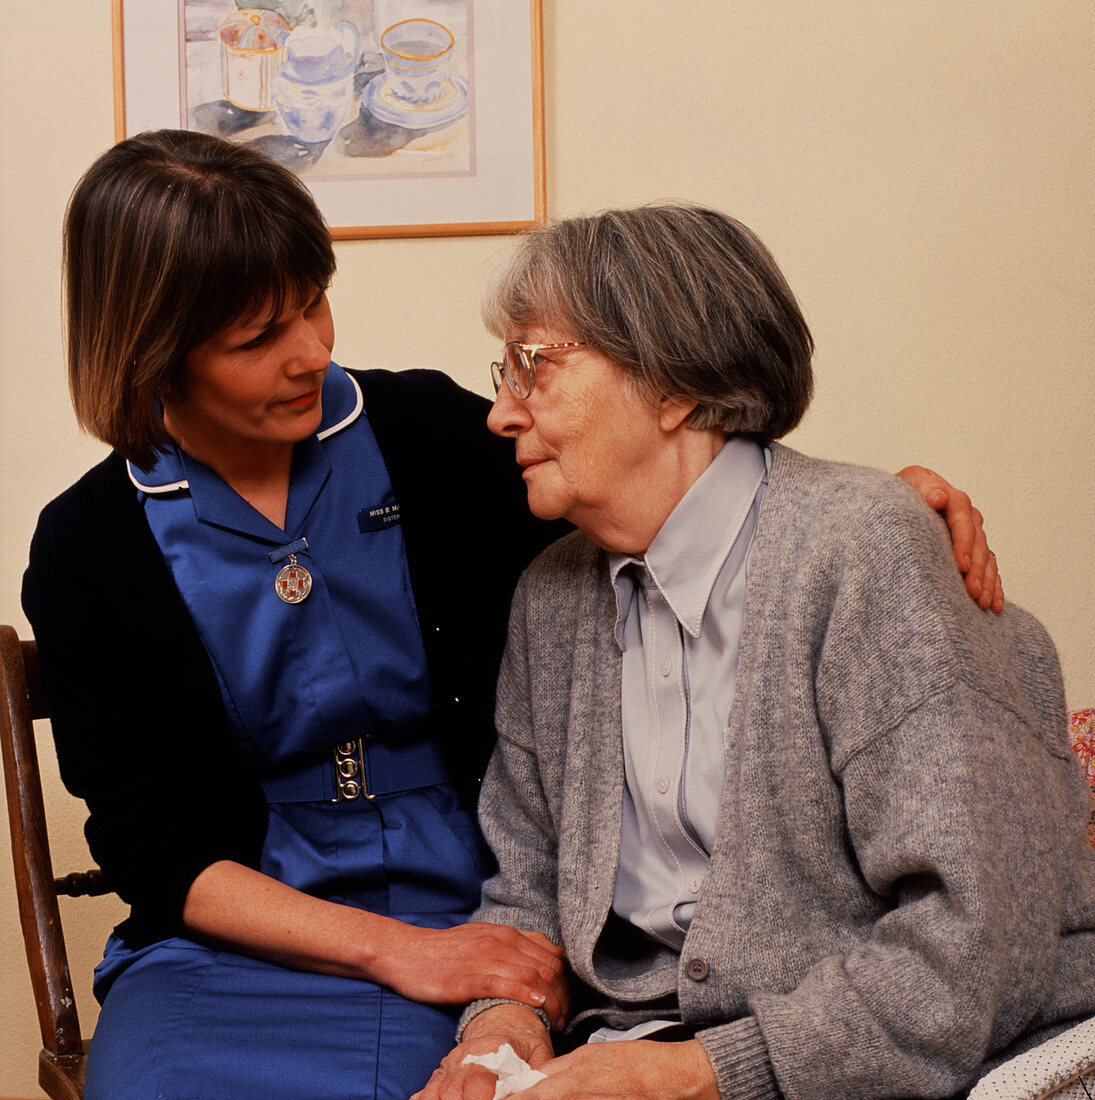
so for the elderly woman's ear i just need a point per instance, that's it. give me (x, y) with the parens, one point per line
(673, 411)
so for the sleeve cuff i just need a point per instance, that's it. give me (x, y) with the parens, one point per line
(477, 1007)
(740, 1057)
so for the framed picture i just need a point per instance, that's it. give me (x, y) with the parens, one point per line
(403, 117)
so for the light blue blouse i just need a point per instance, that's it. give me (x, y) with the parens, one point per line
(679, 618)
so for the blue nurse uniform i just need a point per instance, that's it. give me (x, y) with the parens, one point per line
(328, 699)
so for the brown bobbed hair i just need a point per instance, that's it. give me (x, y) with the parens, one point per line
(170, 237)
(686, 300)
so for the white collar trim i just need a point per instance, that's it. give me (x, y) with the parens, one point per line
(168, 487)
(346, 421)
(174, 486)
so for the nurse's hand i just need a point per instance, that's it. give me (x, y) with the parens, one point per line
(469, 962)
(522, 1029)
(976, 562)
(244, 910)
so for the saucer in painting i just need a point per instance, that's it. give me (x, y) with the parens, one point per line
(381, 101)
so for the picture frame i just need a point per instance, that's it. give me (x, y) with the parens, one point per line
(405, 118)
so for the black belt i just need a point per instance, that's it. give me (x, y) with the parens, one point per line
(359, 769)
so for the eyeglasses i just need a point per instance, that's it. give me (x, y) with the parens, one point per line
(518, 366)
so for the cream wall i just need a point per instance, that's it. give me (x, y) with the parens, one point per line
(923, 169)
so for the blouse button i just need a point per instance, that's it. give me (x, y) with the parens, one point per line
(663, 785)
(697, 969)
(667, 667)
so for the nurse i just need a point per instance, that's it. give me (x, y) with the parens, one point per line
(269, 625)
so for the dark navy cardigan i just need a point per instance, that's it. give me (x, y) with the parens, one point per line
(138, 718)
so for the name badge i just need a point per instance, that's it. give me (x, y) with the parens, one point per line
(378, 518)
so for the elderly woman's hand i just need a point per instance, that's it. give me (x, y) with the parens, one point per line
(971, 549)
(513, 1024)
(636, 1069)
(472, 961)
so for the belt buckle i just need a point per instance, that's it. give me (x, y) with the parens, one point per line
(350, 779)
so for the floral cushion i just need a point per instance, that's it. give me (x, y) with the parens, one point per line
(1081, 735)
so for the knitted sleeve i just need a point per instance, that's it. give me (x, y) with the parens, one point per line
(513, 809)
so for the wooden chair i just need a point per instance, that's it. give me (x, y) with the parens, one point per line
(62, 1062)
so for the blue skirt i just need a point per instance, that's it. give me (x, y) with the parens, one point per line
(189, 1023)
(181, 1020)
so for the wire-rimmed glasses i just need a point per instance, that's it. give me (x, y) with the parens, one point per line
(518, 366)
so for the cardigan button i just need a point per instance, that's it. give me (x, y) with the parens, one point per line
(697, 969)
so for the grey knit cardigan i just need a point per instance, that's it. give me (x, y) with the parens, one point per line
(899, 887)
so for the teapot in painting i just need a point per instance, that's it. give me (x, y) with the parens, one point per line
(314, 88)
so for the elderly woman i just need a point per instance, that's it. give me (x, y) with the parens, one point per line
(803, 817)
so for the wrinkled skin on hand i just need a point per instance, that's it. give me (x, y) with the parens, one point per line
(637, 1069)
(629, 1070)
(513, 1024)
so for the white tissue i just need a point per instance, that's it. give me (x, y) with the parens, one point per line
(514, 1073)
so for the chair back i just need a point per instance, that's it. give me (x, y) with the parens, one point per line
(62, 1061)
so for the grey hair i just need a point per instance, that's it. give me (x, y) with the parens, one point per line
(686, 300)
